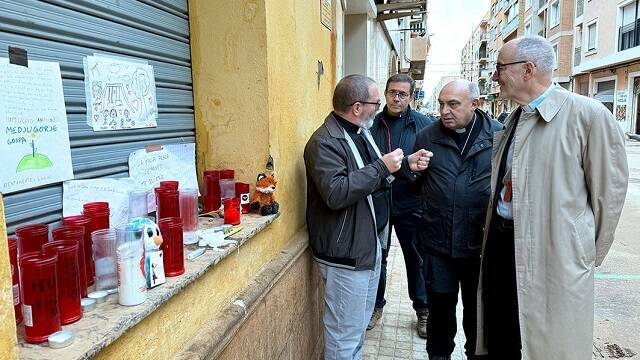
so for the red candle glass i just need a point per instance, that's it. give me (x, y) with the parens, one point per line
(84, 222)
(172, 246)
(232, 211)
(31, 237)
(227, 174)
(242, 192)
(211, 192)
(15, 277)
(68, 273)
(168, 203)
(39, 293)
(98, 214)
(212, 172)
(169, 184)
(75, 234)
(102, 205)
(189, 215)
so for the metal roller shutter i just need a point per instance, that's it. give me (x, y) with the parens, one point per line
(65, 32)
(605, 91)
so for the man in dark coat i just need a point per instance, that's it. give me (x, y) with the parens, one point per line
(396, 126)
(455, 189)
(346, 177)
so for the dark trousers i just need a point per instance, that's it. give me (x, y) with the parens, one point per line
(499, 292)
(444, 277)
(406, 227)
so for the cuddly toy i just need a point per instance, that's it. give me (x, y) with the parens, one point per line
(263, 200)
(154, 266)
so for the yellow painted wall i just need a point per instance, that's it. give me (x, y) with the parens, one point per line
(256, 94)
(297, 105)
(8, 341)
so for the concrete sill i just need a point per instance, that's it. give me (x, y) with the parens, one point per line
(109, 321)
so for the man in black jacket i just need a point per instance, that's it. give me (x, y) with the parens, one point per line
(396, 127)
(346, 174)
(455, 188)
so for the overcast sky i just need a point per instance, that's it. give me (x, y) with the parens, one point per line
(451, 23)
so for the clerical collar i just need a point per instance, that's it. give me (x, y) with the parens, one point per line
(350, 127)
(467, 127)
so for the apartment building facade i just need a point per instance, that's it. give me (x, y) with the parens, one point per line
(509, 19)
(607, 57)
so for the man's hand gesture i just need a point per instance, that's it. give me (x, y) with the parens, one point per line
(393, 160)
(419, 160)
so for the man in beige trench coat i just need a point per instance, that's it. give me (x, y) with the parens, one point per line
(558, 183)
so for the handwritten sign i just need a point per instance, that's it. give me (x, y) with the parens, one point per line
(114, 191)
(121, 93)
(172, 162)
(34, 149)
(621, 97)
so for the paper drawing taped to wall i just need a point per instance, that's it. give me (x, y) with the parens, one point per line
(121, 94)
(34, 135)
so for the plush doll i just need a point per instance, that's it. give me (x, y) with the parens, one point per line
(154, 267)
(263, 200)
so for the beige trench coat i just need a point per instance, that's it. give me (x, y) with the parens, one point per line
(570, 178)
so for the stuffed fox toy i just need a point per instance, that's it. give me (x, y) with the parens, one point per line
(263, 200)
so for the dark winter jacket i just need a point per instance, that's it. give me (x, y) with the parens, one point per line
(455, 189)
(404, 199)
(340, 214)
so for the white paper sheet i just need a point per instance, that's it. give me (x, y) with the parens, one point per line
(115, 191)
(34, 149)
(121, 93)
(172, 162)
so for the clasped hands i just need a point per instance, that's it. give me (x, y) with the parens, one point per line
(418, 161)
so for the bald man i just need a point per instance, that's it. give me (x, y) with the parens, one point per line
(455, 189)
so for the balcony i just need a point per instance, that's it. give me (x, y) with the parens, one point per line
(484, 74)
(629, 36)
(577, 56)
(510, 27)
(418, 48)
(482, 85)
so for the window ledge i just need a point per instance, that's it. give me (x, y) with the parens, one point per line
(102, 326)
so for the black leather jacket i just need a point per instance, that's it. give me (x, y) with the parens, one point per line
(340, 219)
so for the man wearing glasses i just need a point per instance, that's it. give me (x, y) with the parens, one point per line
(396, 127)
(559, 179)
(344, 171)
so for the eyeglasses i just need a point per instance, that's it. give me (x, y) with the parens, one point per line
(500, 67)
(400, 94)
(377, 104)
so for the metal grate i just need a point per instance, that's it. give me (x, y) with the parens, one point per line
(67, 30)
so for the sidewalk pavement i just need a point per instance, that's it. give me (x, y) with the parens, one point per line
(395, 337)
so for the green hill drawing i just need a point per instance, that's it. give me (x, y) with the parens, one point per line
(34, 161)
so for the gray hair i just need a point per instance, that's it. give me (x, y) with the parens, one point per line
(351, 89)
(538, 50)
